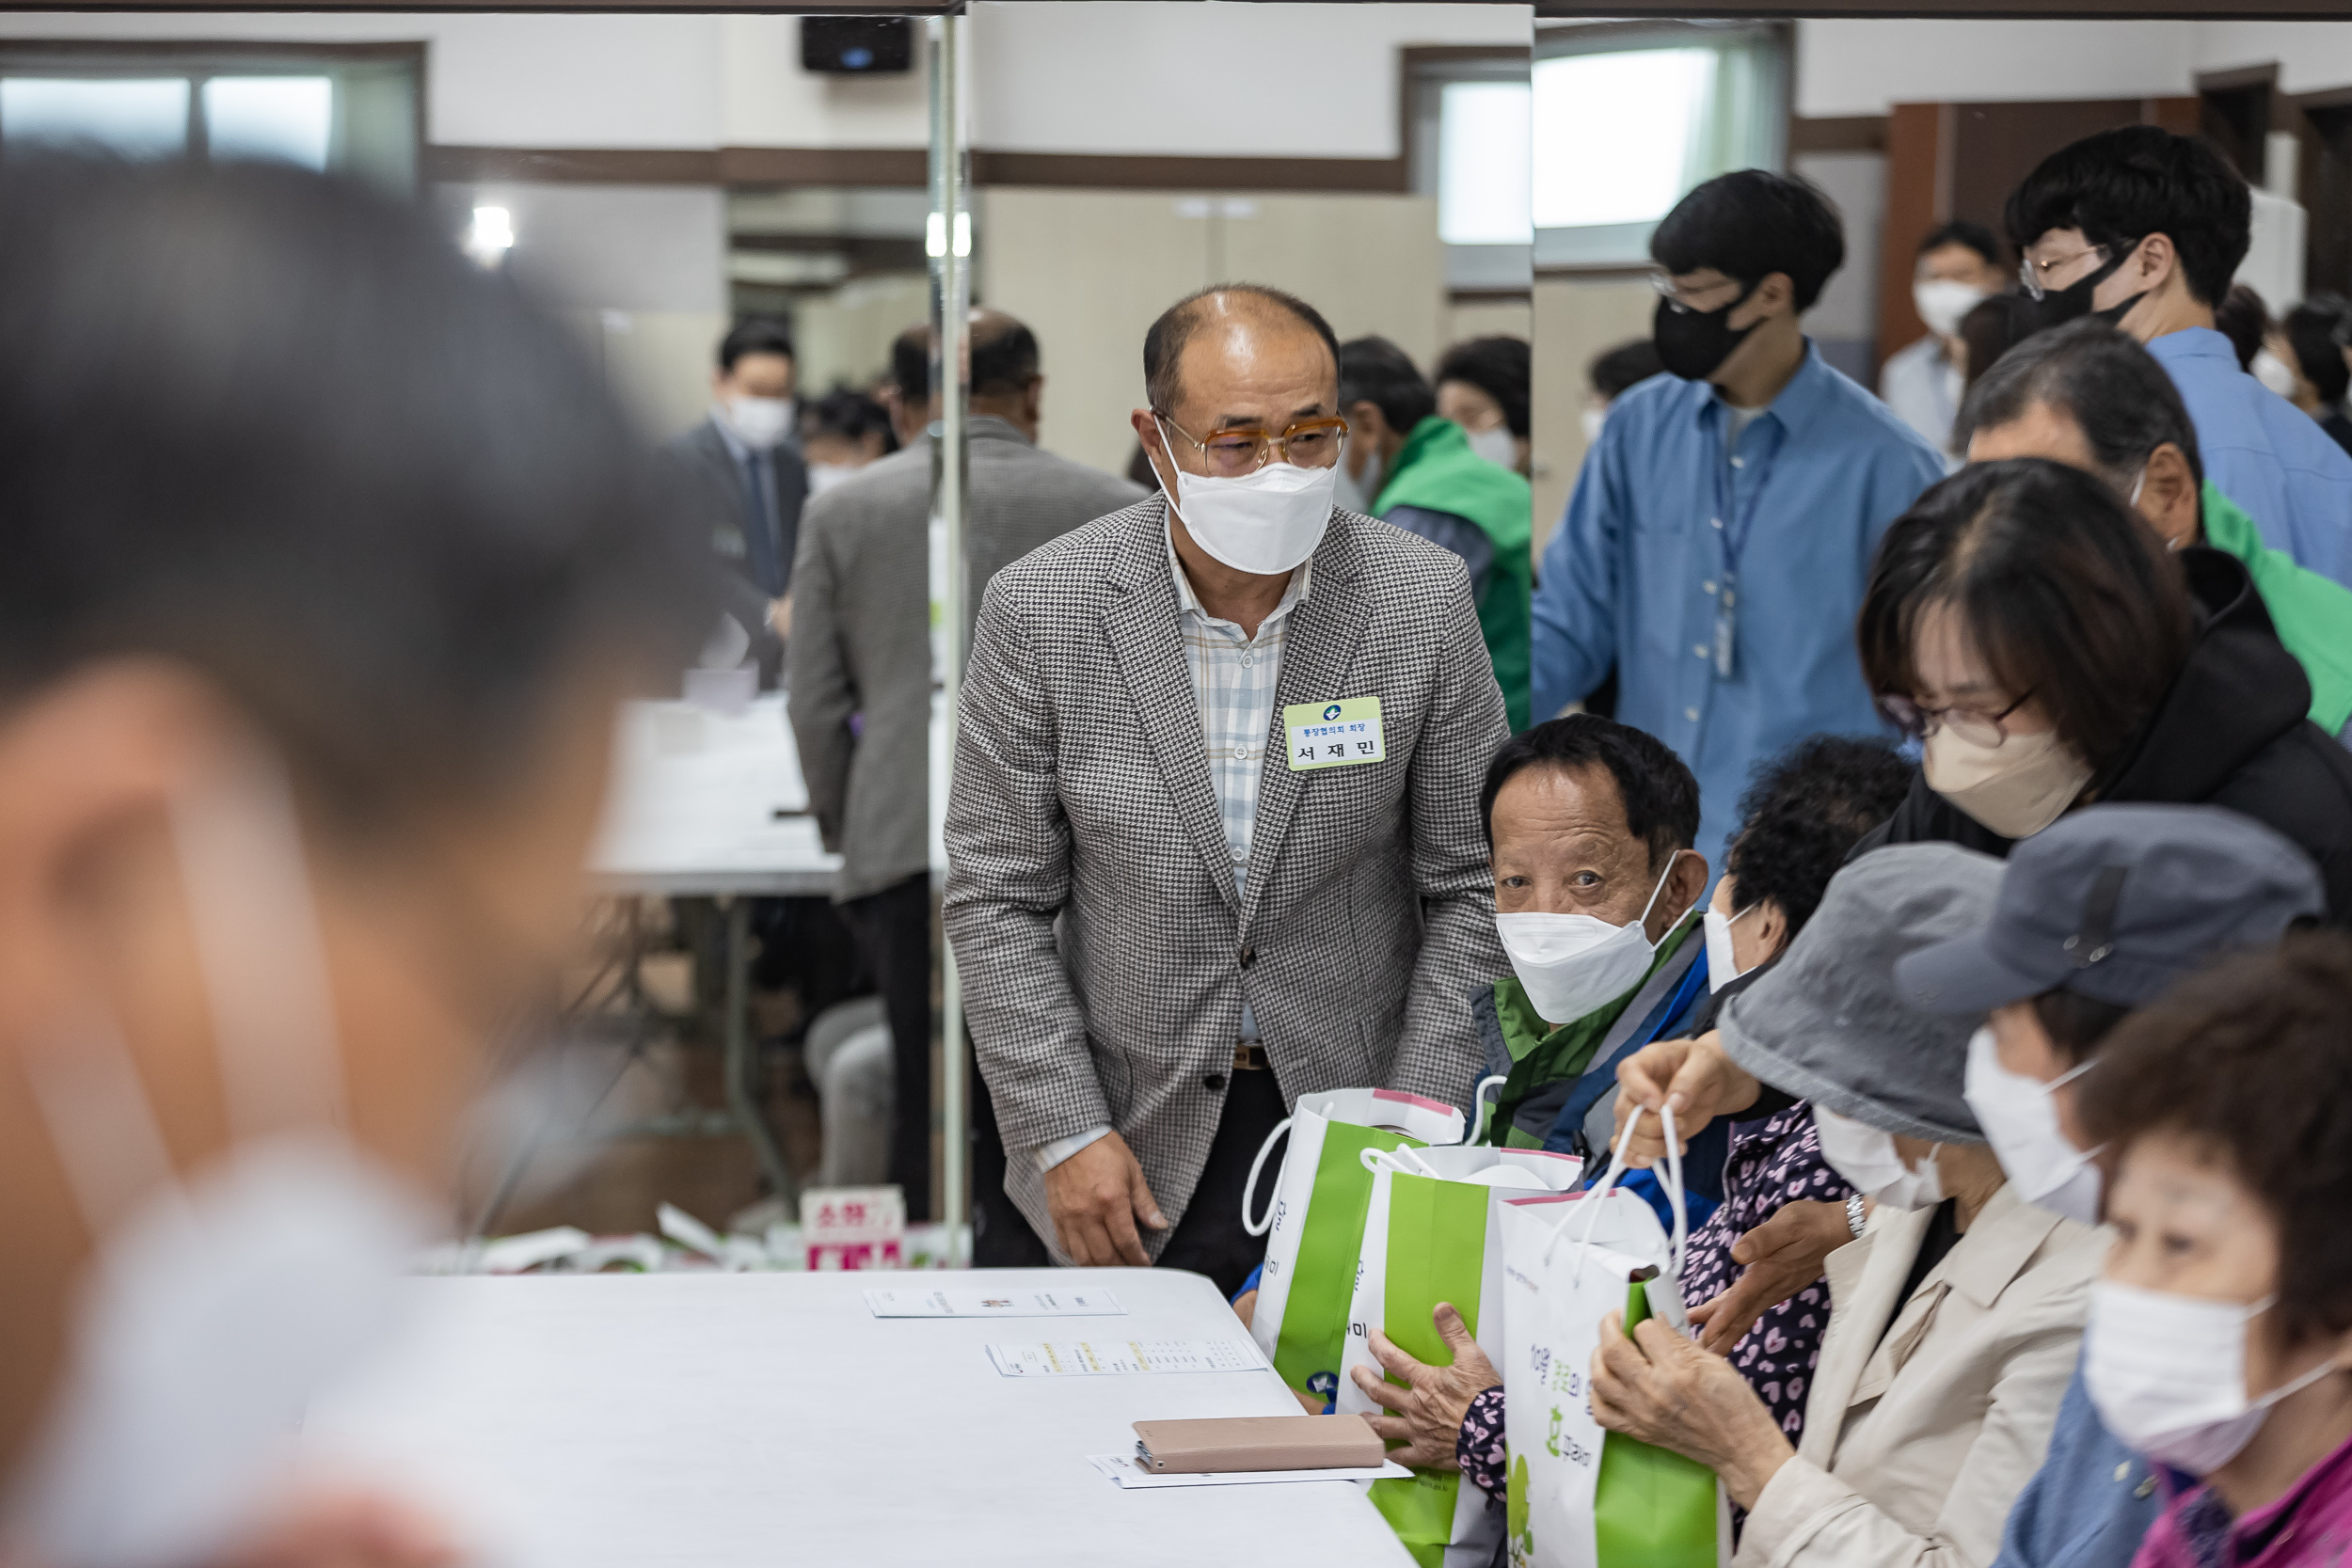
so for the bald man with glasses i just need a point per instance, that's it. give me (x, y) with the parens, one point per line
(1213, 839)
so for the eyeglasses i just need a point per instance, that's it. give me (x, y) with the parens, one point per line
(1974, 725)
(2034, 277)
(1662, 283)
(1244, 449)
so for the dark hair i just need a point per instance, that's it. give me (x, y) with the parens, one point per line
(2311, 330)
(2100, 377)
(1498, 367)
(1804, 812)
(1003, 356)
(1376, 370)
(1976, 236)
(2245, 319)
(1993, 326)
(2254, 1059)
(851, 415)
(1661, 796)
(911, 366)
(2066, 592)
(275, 428)
(1163, 344)
(2077, 1025)
(755, 335)
(1751, 224)
(2119, 186)
(1626, 366)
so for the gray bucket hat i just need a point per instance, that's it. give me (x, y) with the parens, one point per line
(1828, 1022)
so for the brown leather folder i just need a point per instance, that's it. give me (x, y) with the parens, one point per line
(1236, 1443)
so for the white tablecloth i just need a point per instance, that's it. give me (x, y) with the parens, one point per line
(768, 1421)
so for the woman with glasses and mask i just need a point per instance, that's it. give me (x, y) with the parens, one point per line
(2048, 652)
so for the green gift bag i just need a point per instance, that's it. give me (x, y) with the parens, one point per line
(1653, 1508)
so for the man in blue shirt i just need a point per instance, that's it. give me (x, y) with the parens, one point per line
(1719, 538)
(2146, 228)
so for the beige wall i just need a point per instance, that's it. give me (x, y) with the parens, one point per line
(844, 336)
(1574, 321)
(1089, 270)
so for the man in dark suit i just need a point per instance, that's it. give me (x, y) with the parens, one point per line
(745, 468)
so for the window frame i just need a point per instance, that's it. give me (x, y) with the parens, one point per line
(1422, 74)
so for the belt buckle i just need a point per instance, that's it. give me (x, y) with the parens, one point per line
(1249, 1057)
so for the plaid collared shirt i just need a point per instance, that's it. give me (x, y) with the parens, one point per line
(1235, 677)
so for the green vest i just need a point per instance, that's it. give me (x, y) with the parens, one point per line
(2313, 613)
(1436, 470)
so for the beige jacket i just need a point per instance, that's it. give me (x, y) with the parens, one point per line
(1918, 1440)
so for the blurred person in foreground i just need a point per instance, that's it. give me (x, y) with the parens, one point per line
(2220, 1339)
(304, 727)
(1958, 266)
(744, 471)
(1213, 840)
(1408, 465)
(860, 660)
(2307, 348)
(2092, 397)
(1720, 536)
(1483, 386)
(841, 432)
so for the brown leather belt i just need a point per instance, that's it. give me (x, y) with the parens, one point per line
(1249, 1057)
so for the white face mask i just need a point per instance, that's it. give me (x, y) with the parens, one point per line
(1941, 303)
(2274, 373)
(2021, 1122)
(1354, 493)
(1721, 967)
(1867, 1158)
(1266, 522)
(1496, 446)
(2168, 1374)
(2016, 788)
(760, 423)
(825, 476)
(214, 1308)
(1572, 963)
(1593, 419)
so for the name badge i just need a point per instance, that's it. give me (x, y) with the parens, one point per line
(1335, 735)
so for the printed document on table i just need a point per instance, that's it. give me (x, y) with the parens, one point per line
(995, 1304)
(1094, 1358)
(1135, 1478)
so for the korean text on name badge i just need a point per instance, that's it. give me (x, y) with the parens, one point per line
(1334, 735)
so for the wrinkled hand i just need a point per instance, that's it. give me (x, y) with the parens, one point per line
(1695, 1076)
(1430, 1407)
(1664, 1390)
(1097, 1196)
(1783, 1256)
(327, 1527)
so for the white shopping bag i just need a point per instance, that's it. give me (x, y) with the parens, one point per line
(1566, 1265)
(1431, 1233)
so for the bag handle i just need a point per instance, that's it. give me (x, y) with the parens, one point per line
(1679, 1243)
(1249, 1188)
(1399, 1161)
(1481, 1108)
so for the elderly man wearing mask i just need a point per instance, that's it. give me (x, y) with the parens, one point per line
(1958, 1310)
(2097, 917)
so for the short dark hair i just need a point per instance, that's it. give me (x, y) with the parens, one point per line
(376, 500)
(2121, 186)
(1993, 326)
(2244, 319)
(1003, 356)
(1376, 370)
(2253, 1060)
(1751, 224)
(2066, 592)
(1613, 371)
(911, 366)
(1500, 366)
(1803, 813)
(2077, 1025)
(755, 335)
(1976, 236)
(844, 412)
(1163, 344)
(2100, 377)
(1661, 796)
(2310, 331)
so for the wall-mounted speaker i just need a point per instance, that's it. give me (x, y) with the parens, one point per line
(857, 45)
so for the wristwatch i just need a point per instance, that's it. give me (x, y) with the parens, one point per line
(1854, 1215)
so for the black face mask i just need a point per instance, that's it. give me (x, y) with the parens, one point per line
(1694, 345)
(2058, 308)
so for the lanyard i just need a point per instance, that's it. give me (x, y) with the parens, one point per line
(1734, 530)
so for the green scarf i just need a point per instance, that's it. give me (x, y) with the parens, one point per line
(1542, 1056)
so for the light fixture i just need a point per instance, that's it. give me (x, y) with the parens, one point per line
(492, 235)
(935, 234)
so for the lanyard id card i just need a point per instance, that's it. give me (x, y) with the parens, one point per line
(1734, 530)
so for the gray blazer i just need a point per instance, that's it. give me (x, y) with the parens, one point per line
(1104, 953)
(861, 632)
(716, 484)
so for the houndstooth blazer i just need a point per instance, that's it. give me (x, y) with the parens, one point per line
(1104, 951)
